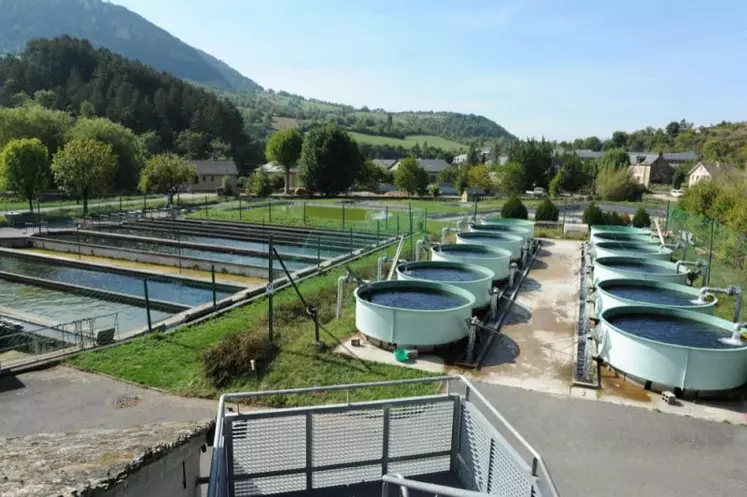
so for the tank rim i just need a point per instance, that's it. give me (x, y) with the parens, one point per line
(499, 252)
(651, 284)
(470, 299)
(692, 315)
(486, 273)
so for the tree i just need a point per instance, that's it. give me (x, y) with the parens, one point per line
(593, 215)
(511, 178)
(678, 177)
(260, 183)
(411, 176)
(592, 143)
(166, 173)
(219, 150)
(536, 159)
(473, 156)
(716, 150)
(462, 178)
(84, 167)
(615, 158)
(24, 168)
(619, 139)
(479, 177)
(641, 219)
(571, 177)
(150, 144)
(618, 184)
(45, 98)
(284, 148)
(124, 143)
(370, 176)
(546, 211)
(514, 208)
(192, 144)
(673, 129)
(87, 109)
(329, 161)
(34, 121)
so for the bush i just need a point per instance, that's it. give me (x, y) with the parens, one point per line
(260, 184)
(612, 218)
(678, 178)
(618, 184)
(435, 191)
(515, 209)
(641, 219)
(226, 185)
(626, 219)
(230, 359)
(546, 211)
(593, 215)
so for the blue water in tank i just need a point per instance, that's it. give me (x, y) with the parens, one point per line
(673, 330)
(444, 274)
(652, 295)
(417, 299)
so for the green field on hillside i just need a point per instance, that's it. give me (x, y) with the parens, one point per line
(409, 141)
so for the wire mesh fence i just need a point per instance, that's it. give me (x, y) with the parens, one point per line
(722, 249)
(382, 219)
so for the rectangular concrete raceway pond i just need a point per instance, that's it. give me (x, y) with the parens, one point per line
(176, 290)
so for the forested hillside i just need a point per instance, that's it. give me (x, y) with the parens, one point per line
(724, 141)
(118, 29)
(70, 75)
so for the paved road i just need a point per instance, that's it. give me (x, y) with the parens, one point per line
(62, 399)
(603, 449)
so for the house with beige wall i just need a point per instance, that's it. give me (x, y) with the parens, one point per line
(210, 173)
(706, 171)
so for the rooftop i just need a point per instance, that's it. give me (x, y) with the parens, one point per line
(216, 167)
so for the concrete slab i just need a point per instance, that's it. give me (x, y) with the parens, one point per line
(63, 399)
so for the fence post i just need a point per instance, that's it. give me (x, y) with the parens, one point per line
(178, 245)
(666, 221)
(269, 210)
(212, 271)
(147, 305)
(206, 207)
(145, 203)
(377, 232)
(412, 245)
(304, 213)
(343, 216)
(707, 281)
(425, 221)
(386, 218)
(39, 214)
(120, 204)
(239, 207)
(270, 289)
(397, 224)
(318, 252)
(351, 239)
(77, 232)
(562, 227)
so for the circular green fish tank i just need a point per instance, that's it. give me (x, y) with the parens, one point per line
(504, 240)
(496, 259)
(478, 280)
(623, 292)
(507, 221)
(412, 313)
(607, 268)
(629, 249)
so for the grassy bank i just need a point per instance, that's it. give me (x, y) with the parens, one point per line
(173, 362)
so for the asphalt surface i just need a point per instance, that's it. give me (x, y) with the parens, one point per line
(603, 449)
(62, 399)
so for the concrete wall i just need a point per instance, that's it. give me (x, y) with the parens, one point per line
(173, 475)
(152, 258)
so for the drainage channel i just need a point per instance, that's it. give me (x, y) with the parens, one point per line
(583, 373)
(490, 326)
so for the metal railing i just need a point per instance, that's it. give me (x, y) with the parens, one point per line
(304, 448)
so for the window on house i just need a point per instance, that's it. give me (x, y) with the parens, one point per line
(212, 178)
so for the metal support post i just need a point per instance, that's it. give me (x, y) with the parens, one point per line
(707, 279)
(343, 216)
(212, 271)
(269, 210)
(147, 305)
(270, 289)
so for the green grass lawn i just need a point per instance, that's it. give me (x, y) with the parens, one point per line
(173, 362)
(409, 141)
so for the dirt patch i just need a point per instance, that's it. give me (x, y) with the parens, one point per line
(614, 383)
(125, 401)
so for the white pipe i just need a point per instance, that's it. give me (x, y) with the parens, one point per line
(697, 264)
(380, 266)
(418, 248)
(446, 230)
(731, 291)
(340, 287)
